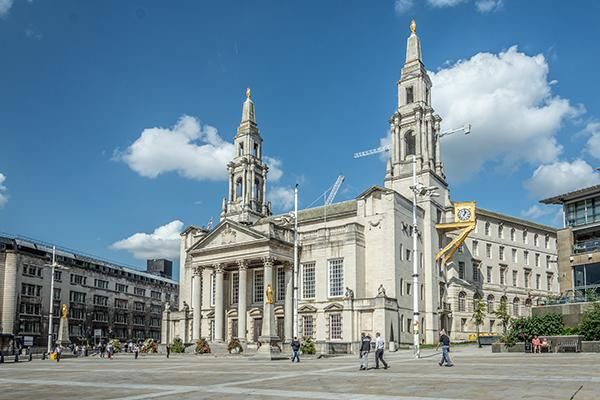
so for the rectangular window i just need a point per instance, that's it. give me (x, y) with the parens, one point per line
(514, 278)
(547, 262)
(78, 279)
(547, 242)
(308, 325)
(489, 275)
(548, 282)
(501, 253)
(30, 290)
(476, 272)
(513, 234)
(501, 231)
(409, 325)
(139, 306)
(57, 276)
(526, 257)
(525, 236)
(235, 288)
(100, 300)
(537, 260)
(119, 287)
(57, 294)
(308, 280)
(121, 303)
(526, 282)
(259, 285)
(488, 250)
(503, 276)
(139, 320)
(155, 295)
(139, 291)
(408, 289)
(410, 97)
(336, 277)
(487, 229)
(31, 270)
(77, 297)
(280, 284)
(475, 248)
(120, 318)
(401, 251)
(30, 308)
(101, 316)
(461, 270)
(538, 278)
(101, 284)
(514, 256)
(408, 253)
(335, 326)
(155, 308)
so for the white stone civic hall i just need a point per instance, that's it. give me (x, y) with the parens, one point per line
(355, 257)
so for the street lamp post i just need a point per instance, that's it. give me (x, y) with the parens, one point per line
(295, 277)
(53, 267)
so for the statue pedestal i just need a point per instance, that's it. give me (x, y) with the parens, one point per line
(269, 341)
(63, 333)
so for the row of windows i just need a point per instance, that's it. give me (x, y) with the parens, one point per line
(503, 279)
(502, 254)
(490, 303)
(582, 212)
(258, 286)
(513, 235)
(335, 281)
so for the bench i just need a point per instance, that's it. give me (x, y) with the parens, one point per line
(567, 344)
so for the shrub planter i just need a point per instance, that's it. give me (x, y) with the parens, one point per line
(590, 346)
(503, 348)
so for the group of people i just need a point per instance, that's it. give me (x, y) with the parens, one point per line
(538, 344)
(365, 349)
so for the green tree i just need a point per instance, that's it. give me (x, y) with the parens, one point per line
(502, 313)
(479, 310)
(589, 326)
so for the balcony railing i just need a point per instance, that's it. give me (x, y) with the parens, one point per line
(586, 246)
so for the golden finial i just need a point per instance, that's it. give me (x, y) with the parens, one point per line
(248, 92)
(413, 26)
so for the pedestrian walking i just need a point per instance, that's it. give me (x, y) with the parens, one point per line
(109, 351)
(379, 344)
(136, 351)
(168, 351)
(445, 343)
(295, 349)
(58, 351)
(365, 349)
(102, 350)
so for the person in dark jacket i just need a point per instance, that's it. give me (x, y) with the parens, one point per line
(365, 349)
(295, 349)
(445, 343)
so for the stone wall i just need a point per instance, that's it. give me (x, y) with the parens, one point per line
(571, 313)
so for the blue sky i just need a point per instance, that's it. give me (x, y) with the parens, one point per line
(115, 117)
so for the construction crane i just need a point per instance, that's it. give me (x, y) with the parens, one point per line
(334, 189)
(381, 149)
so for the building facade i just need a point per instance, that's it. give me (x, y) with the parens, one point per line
(105, 300)
(579, 241)
(356, 257)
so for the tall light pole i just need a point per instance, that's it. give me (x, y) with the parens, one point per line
(296, 280)
(53, 266)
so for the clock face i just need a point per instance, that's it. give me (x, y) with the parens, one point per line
(464, 214)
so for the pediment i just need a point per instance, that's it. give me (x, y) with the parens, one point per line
(228, 233)
(333, 307)
(255, 312)
(307, 309)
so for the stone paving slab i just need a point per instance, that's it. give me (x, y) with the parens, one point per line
(477, 374)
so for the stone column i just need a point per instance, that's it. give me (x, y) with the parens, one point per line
(425, 133)
(9, 297)
(289, 302)
(242, 300)
(402, 145)
(268, 339)
(219, 305)
(438, 158)
(231, 185)
(418, 141)
(196, 301)
(431, 155)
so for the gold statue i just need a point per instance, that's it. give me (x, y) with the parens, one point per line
(413, 26)
(269, 294)
(65, 311)
(248, 92)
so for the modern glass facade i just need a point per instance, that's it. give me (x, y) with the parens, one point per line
(582, 212)
(586, 277)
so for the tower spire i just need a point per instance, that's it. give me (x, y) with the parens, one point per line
(248, 109)
(413, 45)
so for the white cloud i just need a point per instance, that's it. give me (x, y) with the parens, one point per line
(3, 196)
(402, 6)
(193, 151)
(507, 98)
(593, 144)
(162, 243)
(536, 211)
(485, 6)
(275, 171)
(561, 177)
(5, 6)
(445, 3)
(282, 198)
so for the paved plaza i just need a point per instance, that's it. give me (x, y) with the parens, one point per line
(477, 374)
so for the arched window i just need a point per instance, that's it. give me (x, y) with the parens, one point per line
(461, 301)
(528, 302)
(411, 143)
(487, 229)
(512, 234)
(257, 191)
(516, 303)
(501, 231)
(476, 300)
(238, 188)
(490, 304)
(241, 149)
(536, 240)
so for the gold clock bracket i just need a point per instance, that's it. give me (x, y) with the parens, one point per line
(465, 221)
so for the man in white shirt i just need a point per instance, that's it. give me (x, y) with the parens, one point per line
(379, 344)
